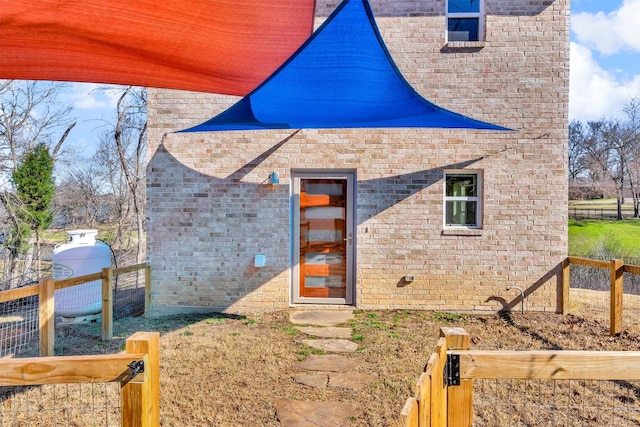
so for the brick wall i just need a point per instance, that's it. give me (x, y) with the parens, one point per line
(211, 209)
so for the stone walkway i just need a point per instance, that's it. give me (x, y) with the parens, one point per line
(327, 370)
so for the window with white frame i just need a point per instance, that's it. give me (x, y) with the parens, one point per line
(462, 199)
(465, 20)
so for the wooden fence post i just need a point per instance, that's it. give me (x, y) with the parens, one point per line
(141, 399)
(107, 304)
(46, 319)
(423, 394)
(615, 310)
(147, 291)
(438, 390)
(566, 286)
(409, 413)
(460, 397)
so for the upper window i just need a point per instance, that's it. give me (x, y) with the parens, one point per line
(462, 199)
(465, 20)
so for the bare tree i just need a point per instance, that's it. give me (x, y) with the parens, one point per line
(580, 184)
(79, 197)
(612, 134)
(577, 153)
(632, 137)
(30, 114)
(598, 159)
(607, 153)
(115, 189)
(122, 156)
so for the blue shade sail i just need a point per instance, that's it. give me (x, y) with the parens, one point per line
(342, 77)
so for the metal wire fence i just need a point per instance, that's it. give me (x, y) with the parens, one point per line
(19, 323)
(555, 403)
(128, 295)
(79, 391)
(463, 386)
(610, 212)
(18, 318)
(80, 405)
(590, 296)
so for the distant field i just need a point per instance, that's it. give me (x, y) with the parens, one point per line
(589, 236)
(598, 203)
(599, 208)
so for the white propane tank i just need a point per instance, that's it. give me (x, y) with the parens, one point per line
(81, 256)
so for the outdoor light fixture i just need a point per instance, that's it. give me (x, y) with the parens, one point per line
(260, 260)
(273, 178)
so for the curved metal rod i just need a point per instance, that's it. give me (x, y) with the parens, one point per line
(521, 295)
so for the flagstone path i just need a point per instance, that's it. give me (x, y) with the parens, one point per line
(326, 370)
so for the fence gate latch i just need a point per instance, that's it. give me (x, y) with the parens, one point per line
(452, 370)
(137, 367)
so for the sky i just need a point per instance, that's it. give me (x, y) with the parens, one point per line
(93, 109)
(605, 58)
(605, 70)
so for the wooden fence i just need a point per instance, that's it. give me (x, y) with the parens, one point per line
(444, 392)
(45, 290)
(139, 393)
(617, 268)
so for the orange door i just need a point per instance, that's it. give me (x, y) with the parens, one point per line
(323, 238)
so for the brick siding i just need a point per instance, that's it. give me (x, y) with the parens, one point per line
(211, 208)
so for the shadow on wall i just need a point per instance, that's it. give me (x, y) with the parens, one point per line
(493, 7)
(215, 263)
(204, 231)
(516, 303)
(528, 8)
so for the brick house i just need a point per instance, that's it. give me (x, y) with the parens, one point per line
(442, 219)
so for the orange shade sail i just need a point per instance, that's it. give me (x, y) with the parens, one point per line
(220, 46)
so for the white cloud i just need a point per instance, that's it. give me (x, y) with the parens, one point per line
(594, 92)
(89, 96)
(609, 33)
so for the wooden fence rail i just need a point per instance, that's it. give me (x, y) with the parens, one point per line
(45, 289)
(139, 395)
(616, 268)
(443, 395)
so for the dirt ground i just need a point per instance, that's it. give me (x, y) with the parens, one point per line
(225, 370)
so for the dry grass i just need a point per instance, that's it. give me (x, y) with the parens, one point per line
(556, 403)
(221, 370)
(594, 305)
